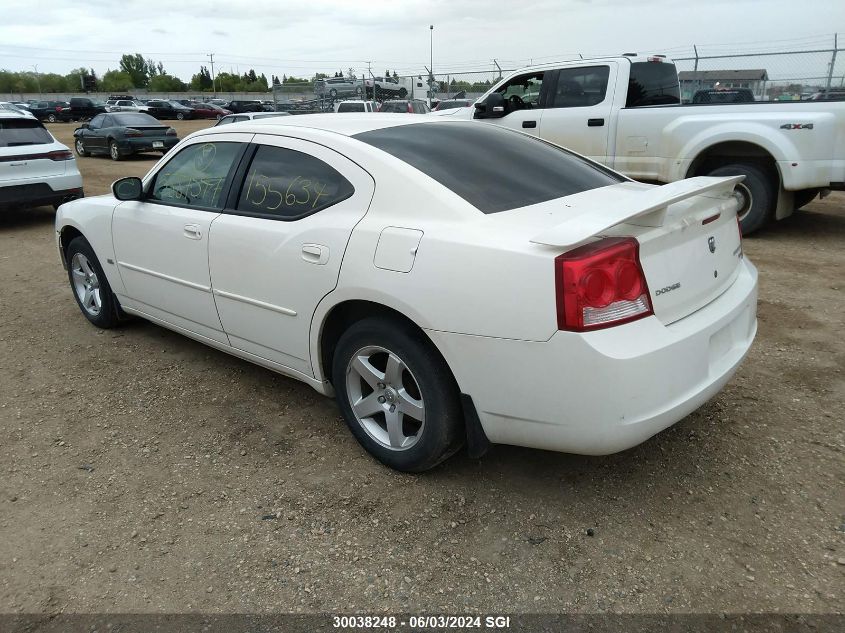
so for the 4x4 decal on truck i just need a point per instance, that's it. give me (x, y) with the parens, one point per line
(797, 126)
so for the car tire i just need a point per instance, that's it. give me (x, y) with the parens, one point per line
(333, 93)
(51, 118)
(758, 190)
(358, 90)
(89, 285)
(219, 116)
(79, 146)
(114, 151)
(402, 93)
(382, 366)
(179, 116)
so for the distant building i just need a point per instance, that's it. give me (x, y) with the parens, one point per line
(692, 80)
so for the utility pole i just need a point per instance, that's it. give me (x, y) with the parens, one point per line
(37, 80)
(499, 68)
(213, 80)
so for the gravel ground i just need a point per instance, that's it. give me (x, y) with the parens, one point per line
(145, 472)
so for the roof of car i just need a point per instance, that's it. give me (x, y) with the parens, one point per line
(12, 114)
(346, 124)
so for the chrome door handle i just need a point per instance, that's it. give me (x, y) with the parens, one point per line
(193, 232)
(315, 254)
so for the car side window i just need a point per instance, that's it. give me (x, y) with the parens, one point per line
(524, 89)
(288, 185)
(97, 122)
(580, 87)
(195, 176)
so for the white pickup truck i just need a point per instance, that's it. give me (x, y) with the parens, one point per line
(625, 112)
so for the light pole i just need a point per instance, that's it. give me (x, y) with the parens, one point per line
(431, 63)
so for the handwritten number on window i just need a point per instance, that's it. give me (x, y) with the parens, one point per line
(299, 192)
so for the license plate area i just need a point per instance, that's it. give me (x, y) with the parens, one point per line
(158, 144)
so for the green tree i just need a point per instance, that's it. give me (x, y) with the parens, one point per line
(116, 81)
(73, 79)
(202, 80)
(51, 82)
(137, 68)
(166, 83)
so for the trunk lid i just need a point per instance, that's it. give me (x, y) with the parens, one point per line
(150, 130)
(690, 245)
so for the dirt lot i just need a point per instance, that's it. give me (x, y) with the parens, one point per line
(145, 472)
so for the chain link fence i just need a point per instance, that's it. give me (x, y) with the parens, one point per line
(771, 76)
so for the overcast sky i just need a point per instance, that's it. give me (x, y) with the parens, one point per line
(301, 37)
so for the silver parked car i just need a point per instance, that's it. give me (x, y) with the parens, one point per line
(338, 87)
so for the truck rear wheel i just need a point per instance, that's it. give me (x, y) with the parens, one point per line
(758, 193)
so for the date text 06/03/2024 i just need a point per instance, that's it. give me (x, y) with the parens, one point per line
(422, 622)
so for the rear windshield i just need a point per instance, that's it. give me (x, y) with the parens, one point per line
(15, 132)
(653, 83)
(491, 168)
(394, 106)
(351, 107)
(134, 118)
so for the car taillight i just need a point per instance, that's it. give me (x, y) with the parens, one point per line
(170, 132)
(60, 154)
(132, 132)
(600, 285)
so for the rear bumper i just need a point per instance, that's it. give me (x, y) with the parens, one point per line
(605, 391)
(145, 144)
(50, 191)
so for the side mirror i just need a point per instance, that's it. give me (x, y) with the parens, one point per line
(493, 107)
(84, 126)
(128, 188)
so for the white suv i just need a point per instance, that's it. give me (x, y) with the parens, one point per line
(354, 105)
(35, 169)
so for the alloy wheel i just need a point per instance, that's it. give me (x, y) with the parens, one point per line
(385, 397)
(86, 285)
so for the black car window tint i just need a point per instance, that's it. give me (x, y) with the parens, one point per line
(288, 185)
(516, 170)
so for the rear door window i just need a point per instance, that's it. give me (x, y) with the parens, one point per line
(580, 87)
(285, 184)
(19, 132)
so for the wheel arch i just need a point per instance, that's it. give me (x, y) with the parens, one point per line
(725, 152)
(340, 316)
(66, 235)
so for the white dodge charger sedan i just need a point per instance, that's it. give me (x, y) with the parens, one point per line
(450, 283)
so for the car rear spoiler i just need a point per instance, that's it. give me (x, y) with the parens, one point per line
(649, 207)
